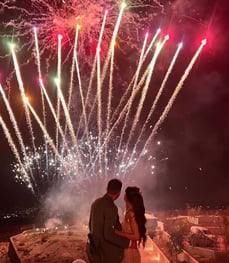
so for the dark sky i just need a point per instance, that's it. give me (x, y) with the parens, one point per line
(194, 136)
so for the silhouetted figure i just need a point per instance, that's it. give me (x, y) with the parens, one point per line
(133, 225)
(104, 246)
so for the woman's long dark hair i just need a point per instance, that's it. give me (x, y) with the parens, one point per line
(134, 196)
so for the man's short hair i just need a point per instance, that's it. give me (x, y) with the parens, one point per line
(114, 186)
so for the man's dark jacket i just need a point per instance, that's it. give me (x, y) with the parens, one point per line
(103, 219)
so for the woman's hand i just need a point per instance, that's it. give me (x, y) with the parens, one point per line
(117, 232)
(133, 244)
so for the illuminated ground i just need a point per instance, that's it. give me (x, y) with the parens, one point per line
(40, 245)
(64, 245)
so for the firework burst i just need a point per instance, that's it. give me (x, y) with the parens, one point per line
(97, 129)
(52, 18)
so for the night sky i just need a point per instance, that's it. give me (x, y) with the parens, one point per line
(194, 137)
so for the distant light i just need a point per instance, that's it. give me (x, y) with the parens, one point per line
(158, 142)
(204, 41)
(123, 4)
(99, 48)
(78, 27)
(56, 80)
(60, 36)
(12, 45)
(114, 44)
(26, 99)
(158, 44)
(167, 37)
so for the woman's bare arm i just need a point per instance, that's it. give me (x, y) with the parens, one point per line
(134, 235)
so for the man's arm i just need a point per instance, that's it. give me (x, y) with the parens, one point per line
(134, 235)
(110, 220)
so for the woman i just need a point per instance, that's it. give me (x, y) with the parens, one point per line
(133, 225)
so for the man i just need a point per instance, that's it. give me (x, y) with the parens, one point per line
(104, 245)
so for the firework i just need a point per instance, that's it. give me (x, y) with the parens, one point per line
(54, 18)
(98, 138)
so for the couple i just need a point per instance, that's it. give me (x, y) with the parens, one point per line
(109, 241)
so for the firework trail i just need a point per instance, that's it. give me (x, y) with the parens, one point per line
(151, 44)
(49, 139)
(122, 113)
(109, 102)
(105, 67)
(37, 52)
(101, 78)
(144, 92)
(16, 128)
(161, 89)
(81, 92)
(59, 79)
(134, 86)
(155, 101)
(24, 176)
(145, 89)
(110, 89)
(110, 86)
(21, 87)
(98, 75)
(40, 77)
(13, 120)
(114, 35)
(124, 97)
(74, 57)
(174, 95)
(68, 118)
(54, 115)
(73, 67)
(99, 99)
